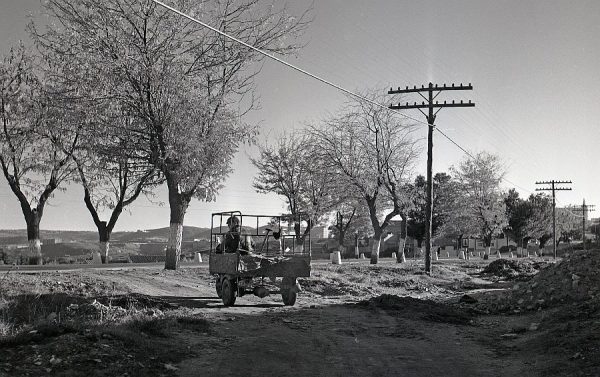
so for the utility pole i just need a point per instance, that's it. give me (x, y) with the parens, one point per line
(584, 209)
(430, 105)
(553, 188)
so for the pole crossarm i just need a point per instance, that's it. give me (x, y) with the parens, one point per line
(554, 189)
(435, 88)
(424, 105)
(584, 207)
(552, 182)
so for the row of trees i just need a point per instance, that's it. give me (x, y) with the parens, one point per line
(124, 95)
(355, 171)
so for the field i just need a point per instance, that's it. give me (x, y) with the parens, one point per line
(527, 317)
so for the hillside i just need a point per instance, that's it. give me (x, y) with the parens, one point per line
(19, 236)
(190, 233)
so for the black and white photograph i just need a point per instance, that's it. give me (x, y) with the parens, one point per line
(297, 188)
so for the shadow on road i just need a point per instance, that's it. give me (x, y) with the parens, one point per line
(209, 302)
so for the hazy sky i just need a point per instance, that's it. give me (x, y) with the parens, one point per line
(533, 65)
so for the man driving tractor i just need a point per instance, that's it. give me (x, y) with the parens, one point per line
(233, 241)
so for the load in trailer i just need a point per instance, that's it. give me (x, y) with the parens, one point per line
(247, 249)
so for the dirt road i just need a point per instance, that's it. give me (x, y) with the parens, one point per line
(350, 320)
(338, 340)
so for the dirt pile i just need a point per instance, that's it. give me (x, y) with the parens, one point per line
(575, 279)
(513, 268)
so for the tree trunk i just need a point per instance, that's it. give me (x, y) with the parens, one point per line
(173, 253)
(33, 237)
(104, 241)
(375, 249)
(488, 244)
(401, 257)
(459, 245)
(341, 239)
(301, 236)
(525, 248)
(179, 203)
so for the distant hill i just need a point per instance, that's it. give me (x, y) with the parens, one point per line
(160, 235)
(19, 236)
(153, 235)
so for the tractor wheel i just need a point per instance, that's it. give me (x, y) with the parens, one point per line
(228, 292)
(219, 286)
(289, 296)
(288, 293)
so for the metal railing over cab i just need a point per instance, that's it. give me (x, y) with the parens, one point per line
(269, 239)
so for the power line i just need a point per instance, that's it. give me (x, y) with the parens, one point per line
(303, 71)
(279, 60)
(327, 82)
(318, 78)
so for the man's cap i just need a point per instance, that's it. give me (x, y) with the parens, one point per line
(234, 220)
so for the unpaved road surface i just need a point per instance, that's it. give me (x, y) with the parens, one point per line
(351, 320)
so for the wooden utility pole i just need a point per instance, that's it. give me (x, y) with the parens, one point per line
(430, 105)
(584, 209)
(553, 188)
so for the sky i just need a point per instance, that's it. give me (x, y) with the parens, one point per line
(533, 66)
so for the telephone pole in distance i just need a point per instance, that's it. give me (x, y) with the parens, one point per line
(584, 209)
(553, 188)
(428, 103)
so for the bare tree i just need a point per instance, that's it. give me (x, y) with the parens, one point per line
(34, 154)
(371, 149)
(112, 174)
(181, 82)
(479, 179)
(350, 219)
(290, 168)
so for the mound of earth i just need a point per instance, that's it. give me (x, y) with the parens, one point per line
(512, 268)
(575, 279)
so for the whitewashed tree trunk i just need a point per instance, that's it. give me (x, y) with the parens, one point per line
(35, 250)
(401, 258)
(103, 247)
(375, 251)
(174, 246)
